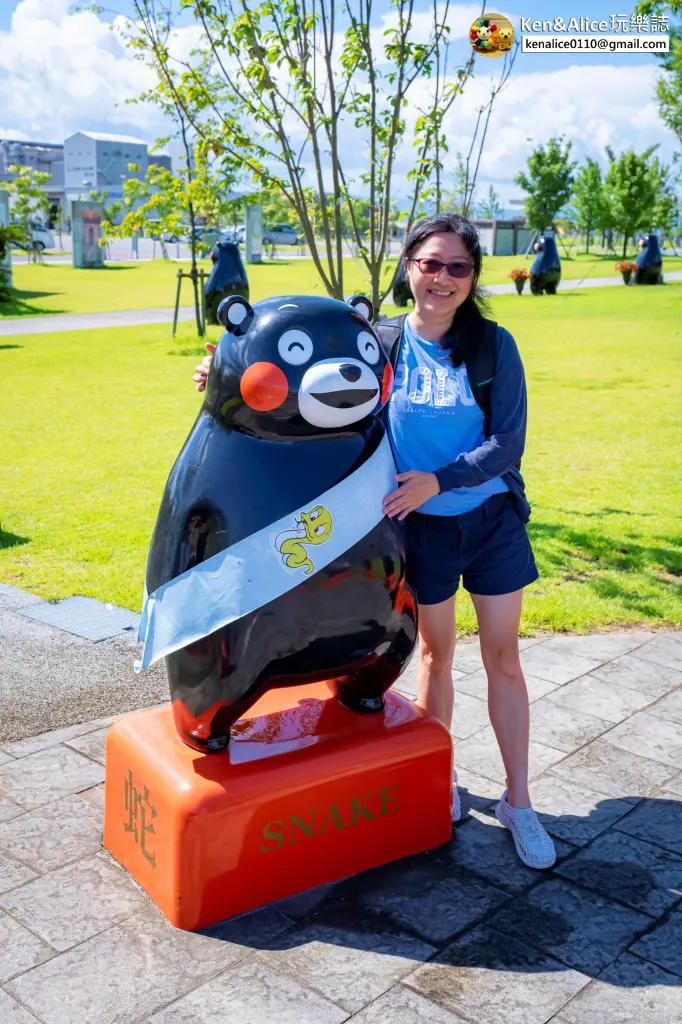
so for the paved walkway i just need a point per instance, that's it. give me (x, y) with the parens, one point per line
(462, 934)
(11, 326)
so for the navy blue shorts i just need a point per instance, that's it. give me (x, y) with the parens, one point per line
(488, 547)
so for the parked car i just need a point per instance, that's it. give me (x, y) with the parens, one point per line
(41, 235)
(280, 234)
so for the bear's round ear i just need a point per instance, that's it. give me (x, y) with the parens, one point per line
(235, 314)
(362, 305)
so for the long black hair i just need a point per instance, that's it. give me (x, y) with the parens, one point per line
(468, 324)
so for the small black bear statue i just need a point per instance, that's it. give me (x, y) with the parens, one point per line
(402, 293)
(545, 271)
(293, 405)
(649, 261)
(227, 277)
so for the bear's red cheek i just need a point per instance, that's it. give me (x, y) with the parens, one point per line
(264, 386)
(386, 384)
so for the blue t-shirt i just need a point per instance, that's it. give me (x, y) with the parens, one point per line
(432, 418)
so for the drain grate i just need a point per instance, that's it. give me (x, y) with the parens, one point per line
(85, 617)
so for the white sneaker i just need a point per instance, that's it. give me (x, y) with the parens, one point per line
(533, 845)
(456, 803)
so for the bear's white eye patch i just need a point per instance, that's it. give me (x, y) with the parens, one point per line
(236, 313)
(295, 347)
(368, 347)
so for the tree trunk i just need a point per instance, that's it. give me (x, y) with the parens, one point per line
(195, 274)
(625, 246)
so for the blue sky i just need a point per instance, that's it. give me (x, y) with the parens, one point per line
(61, 72)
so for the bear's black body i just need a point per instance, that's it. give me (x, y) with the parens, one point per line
(649, 261)
(353, 622)
(227, 277)
(545, 271)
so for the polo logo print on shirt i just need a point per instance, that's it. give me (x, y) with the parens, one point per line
(440, 387)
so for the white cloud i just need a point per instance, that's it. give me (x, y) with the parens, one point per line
(60, 72)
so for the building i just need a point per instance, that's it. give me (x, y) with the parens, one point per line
(85, 162)
(504, 237)
(45, 157)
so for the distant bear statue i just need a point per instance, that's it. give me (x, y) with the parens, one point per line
(649, 261)
(545, 271)
(227, 277)
(293, 408)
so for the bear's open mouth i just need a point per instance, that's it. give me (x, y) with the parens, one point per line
(346, 399)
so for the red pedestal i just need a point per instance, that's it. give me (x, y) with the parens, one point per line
(307, 793)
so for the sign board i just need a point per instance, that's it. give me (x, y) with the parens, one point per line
(6, 265)
(86, 231)
(254, 233)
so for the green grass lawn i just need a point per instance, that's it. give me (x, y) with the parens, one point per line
(59, 288)
(92, 421)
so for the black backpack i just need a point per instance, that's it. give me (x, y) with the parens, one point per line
(480, 366)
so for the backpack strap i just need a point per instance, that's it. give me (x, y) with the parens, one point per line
(481, 367)
(389, 332)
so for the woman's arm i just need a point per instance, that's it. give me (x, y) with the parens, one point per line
(503, 449)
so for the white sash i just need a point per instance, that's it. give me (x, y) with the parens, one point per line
(266, 564)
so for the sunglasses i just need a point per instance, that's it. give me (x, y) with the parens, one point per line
(458, 268)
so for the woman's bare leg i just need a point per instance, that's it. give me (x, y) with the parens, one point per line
(437, 636)
(498, 627)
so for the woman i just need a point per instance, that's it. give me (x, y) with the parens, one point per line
(462, 498)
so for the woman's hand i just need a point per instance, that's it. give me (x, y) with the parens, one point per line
(415, 490)
(201, 371)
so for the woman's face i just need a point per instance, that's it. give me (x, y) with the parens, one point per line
(439, 293)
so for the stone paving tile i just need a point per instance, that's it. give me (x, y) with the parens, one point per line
(564, 728)
(349, 964)
(47, 776)
(581, 929)
(304, 904)
(407, 682)
(664, 650)
(488, 977)
(481, 754)
(628, 870)
(631, 671)
(556, 666)
(663, 945)
(14, 597)
(656, 821)
(19, 949)
(430, 897)
(123, 974)
(94, 796)
(572, 812)
(467, 657)
(92, 744)
(9, 809)
(470, 716)
(669, 707)
(45, 740)
(629, 991)
(658, 739)
(76, 902)
(12, 1013)
(674, 785)
(12, 873)
(605, 700)
(601, 646)
(476, 685)
(53, 835)
(612, 771)
(403, 1006)
(5, 758)
(251, 994)
(485, 847)
(476, 792)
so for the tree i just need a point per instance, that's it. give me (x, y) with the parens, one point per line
(669, 85)
(549, 182)
(490, 206)
(297, 93)
(630, 193)
(11, 236)
(30, 199)
(588, 202)
(666, 208)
